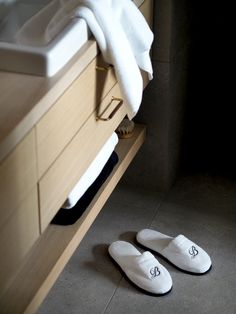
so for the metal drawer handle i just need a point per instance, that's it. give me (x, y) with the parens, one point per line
(111, 115)
(104, 68)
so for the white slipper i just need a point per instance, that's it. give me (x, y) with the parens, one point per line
(143, 270)
(180, 251)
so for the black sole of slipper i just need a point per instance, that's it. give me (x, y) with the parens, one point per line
(137, 287)
(172, 264)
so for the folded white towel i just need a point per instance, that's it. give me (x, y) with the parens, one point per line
(125, 40)
(92, 172)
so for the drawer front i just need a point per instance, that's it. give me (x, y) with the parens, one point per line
(60, 179)
(17, 236)
(18, 175)
(64, 119)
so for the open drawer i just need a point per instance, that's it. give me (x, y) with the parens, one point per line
(62, 176)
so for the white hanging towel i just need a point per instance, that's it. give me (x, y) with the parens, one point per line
(124, 39)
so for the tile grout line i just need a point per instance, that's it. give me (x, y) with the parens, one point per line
(108, 303)
(158, 207)
(118, 285)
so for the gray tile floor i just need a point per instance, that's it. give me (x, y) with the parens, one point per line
(200, 207)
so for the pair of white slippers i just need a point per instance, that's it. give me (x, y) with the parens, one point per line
(145, 271)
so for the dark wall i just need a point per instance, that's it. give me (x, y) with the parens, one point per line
(162, 110)
(188, 107)
(210, 126)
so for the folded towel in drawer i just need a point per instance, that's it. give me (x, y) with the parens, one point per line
(70, 216)
(92, 172)
(125, 39)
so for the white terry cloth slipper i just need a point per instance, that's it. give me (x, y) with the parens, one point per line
(180, 251)
(143, 270)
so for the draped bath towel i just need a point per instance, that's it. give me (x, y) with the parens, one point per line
(124, 39)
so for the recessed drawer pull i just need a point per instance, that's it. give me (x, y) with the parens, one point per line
(104, 68)
(111, 115)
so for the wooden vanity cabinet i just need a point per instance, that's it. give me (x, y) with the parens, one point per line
(48, 140)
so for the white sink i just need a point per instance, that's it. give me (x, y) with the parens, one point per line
(35, 40)
(35, 54)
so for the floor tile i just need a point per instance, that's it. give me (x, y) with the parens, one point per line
(204, 209)
(200, 207)
(90, 279)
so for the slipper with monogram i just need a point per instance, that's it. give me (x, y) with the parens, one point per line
(180, 251)
(142, 269)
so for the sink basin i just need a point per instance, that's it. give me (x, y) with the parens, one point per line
(29, 45)
(39, 36)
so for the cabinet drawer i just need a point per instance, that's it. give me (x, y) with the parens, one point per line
(18, 175)
(59, 180)
(64, 119)
(17, 236)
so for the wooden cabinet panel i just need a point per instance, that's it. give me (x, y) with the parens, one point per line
(17, 236)
(69, 113)
(59, 180)
(18, 175)
(147, 10)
